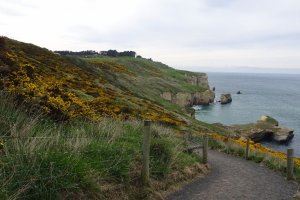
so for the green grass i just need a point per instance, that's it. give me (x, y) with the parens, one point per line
(184, 160)
(297, 173)
(168, 105)
(145, 73)
(43, 159)
(272, 121)
(272, 163)
(256, 157)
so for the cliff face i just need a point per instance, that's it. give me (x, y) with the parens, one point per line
(199, 79)
(192, 98)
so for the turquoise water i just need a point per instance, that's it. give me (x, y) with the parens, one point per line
(262, 94)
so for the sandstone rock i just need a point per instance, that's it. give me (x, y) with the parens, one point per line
(167, 96)
(225, 98)
(203, 98)
(283, 135)
(268, 119)
(182, 99)
(261, 135)
(266, 128)
(199, 79)
(190, 99)
(256, 134)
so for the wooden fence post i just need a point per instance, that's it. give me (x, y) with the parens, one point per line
(247, 148)
(290, 164)
(187, 136)
(204, 149)
(146, 154)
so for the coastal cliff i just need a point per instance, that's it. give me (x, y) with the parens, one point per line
(201, 97)
(190, 99)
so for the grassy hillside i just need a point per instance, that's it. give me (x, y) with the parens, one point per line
(70, 127)
(93, 88)
(43, 159)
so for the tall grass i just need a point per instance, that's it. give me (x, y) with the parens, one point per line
(268, 160)
(43, 159)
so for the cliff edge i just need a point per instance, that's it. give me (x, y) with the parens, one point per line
(203, 96)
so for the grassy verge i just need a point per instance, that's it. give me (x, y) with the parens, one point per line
(43, 159)
(272, 159)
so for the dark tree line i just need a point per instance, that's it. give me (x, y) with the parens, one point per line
(77, 53)
(111, 53)
(127, 53)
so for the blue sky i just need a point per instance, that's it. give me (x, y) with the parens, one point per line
(198, 35)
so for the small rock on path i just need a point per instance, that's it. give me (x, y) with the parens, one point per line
(236, 178)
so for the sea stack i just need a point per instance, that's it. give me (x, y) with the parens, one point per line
(225, 99)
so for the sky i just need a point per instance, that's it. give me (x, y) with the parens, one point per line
(197, 35)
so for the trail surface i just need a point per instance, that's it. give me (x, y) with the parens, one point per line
(236, 178)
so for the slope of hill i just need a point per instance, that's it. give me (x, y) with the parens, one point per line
(96, 87)
(93, 148)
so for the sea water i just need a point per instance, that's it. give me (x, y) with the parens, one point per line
(276, 95)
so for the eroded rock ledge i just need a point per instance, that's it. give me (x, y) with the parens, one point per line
(266, 128)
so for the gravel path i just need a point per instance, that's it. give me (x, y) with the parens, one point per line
(237, 178)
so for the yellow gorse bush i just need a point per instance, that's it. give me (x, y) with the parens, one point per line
(255, 147)
(65, 91)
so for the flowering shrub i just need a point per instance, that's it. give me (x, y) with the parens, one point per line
(255, 147)
(65, 91)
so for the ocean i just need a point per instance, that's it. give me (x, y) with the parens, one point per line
(276, 95)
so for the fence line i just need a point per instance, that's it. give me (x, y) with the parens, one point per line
(290, 164)
(289, 160)
(247, 148)
(205, 148)
(146, 154)
(12, 161)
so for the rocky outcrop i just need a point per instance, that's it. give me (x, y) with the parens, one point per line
(203, 98)
(182, 99)
(256, 134)
(190, 99)
(268, 119)
(199, 79)
(266, 128)
(225, 98)
(283, 135)
(167, 96)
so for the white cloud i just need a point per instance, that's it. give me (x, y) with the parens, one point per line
(213, 33)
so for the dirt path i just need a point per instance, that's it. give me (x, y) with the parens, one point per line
(237, 178)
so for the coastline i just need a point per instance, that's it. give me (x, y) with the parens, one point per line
(262, 94)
